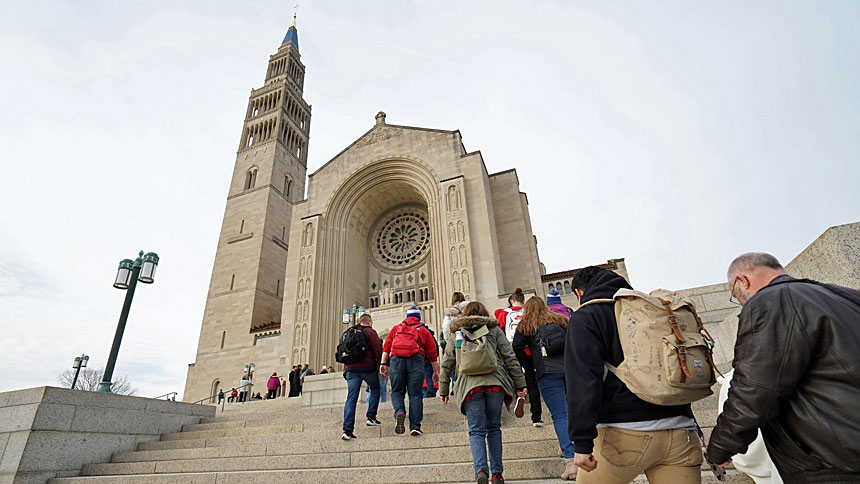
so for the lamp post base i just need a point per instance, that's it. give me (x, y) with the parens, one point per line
(104, 387)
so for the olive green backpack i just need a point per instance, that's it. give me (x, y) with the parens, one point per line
(476, 355)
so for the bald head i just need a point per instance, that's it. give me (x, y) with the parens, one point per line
(750, 272)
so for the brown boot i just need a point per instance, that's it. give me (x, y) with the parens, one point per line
(569, 470)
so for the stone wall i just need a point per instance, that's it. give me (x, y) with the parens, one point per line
(50, 432)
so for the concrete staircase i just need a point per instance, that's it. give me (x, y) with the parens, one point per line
(279, 441)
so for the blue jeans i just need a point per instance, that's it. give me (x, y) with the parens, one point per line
(554, 392)
(406, 375)
(354, 380)
(383, 384)
(484, 414)
(429, 390)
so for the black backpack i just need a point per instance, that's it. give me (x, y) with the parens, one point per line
(551, 337)
(352, 347)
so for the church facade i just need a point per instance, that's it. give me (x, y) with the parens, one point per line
(404, 215)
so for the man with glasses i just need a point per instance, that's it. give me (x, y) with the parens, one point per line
(796, 374)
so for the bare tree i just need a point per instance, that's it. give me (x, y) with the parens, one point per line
(89, 380)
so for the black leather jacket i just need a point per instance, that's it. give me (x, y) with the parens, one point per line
(797, 377)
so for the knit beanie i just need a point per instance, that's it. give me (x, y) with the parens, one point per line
(413, 312)
(553, 297)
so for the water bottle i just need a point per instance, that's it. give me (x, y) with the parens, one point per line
(458, 339)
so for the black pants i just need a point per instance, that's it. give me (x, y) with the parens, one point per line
(271, 394)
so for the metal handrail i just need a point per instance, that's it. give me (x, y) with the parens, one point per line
(166, 395)
(210, 397)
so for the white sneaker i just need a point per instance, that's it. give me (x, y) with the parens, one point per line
(348, 436)
(372, 422)
(416, 433)
(539, 423)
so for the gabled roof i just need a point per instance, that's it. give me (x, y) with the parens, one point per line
(569, 273)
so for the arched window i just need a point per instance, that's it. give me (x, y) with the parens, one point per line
(216, 385)
(558, 287)
(551, 287)
(251, 178)
(287, 184)
(567, 287)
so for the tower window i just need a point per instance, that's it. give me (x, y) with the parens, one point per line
(223, 337)
(251, 178)
(232, 281)
(278, 288)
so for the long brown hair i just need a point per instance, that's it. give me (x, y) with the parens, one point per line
(475, 308)
(536, 314)
(458, 297)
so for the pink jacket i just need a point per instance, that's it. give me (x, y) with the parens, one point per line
(273, 383)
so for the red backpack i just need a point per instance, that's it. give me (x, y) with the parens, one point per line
(406, 341)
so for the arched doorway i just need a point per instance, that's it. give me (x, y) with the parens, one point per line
(382, 239)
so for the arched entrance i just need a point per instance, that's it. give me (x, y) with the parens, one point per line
(382, 240)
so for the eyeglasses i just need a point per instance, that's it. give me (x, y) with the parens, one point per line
(732, 298)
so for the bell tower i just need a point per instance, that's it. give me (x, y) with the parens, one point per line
(247, 285)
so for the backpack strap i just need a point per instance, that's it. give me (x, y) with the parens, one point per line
(679, 340)
(595, 301)
(709, 340)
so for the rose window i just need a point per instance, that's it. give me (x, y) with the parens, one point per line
(402, 239)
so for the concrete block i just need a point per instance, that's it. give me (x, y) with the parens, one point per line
(15, 445)
(54, 416)
(118, 469)
(173, 444)
(174, 423)
(94, 399)
(115, 420)
(194, 453)
(52, 451)
(4, 438)
(21, 397)
(208, 478)
(33, 477)
(17, 417)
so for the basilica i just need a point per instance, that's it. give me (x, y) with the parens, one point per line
(404, 215)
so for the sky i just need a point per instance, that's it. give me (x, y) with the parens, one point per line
(674, 134)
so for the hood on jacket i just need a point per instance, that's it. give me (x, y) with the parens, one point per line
(604, 286)
(456, 309)
(411, 321)
(470, 322)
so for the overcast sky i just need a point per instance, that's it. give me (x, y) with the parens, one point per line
(673, 134)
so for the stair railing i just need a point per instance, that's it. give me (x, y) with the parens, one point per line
(168, 395)
(210, 397)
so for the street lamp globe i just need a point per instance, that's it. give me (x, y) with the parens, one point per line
(147, 272)
(361, 312)
(123, 274)
(346, 316)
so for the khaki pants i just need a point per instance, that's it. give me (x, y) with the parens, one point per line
(665, 456)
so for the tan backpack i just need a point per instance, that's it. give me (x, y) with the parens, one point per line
(668, 353)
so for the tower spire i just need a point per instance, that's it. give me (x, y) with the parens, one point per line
(292, 32)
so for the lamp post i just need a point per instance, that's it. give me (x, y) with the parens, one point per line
(80, 362)
(129, 272)
(352, 315)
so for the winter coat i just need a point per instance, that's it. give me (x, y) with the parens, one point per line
(371, 360)
(559, 308)
(797, 377)
(507, 375)
(543, 364)
(274, 383)
(451, 314)
(592, 339)
(426, 343)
